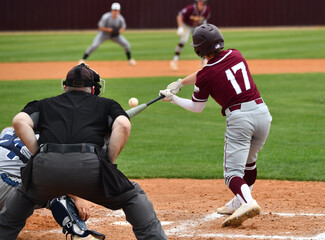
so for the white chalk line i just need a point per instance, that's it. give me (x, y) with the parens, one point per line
(236, 236)
(298, 214)
(183, 228)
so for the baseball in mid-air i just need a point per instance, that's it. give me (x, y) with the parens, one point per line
(133, 102)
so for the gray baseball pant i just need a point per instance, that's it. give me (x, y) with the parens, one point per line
(246, 133)
(101, 37)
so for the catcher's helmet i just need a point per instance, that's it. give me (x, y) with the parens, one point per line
(83, 76)
(207, 39)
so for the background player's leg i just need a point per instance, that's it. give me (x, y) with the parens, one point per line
(183, 40)
(122, 41)
(98, 40)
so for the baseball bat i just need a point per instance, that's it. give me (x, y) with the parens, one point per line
(134, 111)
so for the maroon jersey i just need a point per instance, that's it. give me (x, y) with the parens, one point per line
(192, 17)
(227, 79)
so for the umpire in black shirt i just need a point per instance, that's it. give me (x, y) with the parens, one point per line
(69, 157)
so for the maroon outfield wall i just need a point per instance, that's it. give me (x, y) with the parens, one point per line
(146, 14)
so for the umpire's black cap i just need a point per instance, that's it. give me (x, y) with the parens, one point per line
(80, 76)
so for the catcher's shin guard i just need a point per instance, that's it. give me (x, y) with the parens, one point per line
(66, 215)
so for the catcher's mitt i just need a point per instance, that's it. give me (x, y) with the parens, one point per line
(115, 32)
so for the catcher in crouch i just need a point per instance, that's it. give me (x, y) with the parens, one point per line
(110, 27)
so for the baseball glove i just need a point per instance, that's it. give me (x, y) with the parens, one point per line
(115, 32)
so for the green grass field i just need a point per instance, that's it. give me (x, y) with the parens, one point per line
(167, 141)
(160, 45)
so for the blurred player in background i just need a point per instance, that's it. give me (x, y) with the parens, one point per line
(187, 20)
(227, 79)
(110, 27)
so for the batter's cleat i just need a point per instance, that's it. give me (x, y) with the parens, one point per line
(230, 207)
(227, 210)
(174, 65)
(247, 210)
(132, 62)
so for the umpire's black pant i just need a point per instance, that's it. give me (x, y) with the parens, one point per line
(57, 174)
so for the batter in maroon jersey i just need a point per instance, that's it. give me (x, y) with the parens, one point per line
(223, 78)
(187, 19)
(227, 79)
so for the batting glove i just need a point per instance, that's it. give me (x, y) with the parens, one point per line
(168, 95)
(175, 87)
(180, 31)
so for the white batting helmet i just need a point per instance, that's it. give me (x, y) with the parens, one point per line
(116, 6)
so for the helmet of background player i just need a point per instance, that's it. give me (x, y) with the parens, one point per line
(116, 6)
(83, 76)
(207, 39)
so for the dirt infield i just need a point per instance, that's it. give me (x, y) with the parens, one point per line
(187, 208)
(117, 69)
